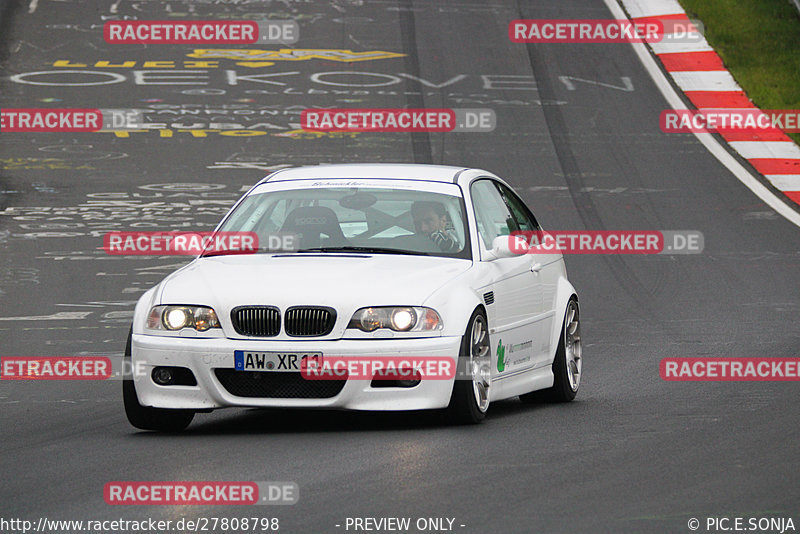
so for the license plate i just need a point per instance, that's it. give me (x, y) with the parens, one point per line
(285, 362)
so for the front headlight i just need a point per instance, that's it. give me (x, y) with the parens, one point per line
(397, 318)
(200, 318)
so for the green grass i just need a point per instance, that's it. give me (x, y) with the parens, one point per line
(759, 42)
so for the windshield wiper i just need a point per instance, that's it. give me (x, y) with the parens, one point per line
(376, 250)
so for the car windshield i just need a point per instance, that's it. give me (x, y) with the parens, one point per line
(382, 220)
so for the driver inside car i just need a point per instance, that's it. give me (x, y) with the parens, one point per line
(431, 221)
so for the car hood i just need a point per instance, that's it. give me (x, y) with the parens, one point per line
(342, 281)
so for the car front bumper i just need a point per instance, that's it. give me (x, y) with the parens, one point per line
(205, 356)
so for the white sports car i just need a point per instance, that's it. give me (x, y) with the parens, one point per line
(389, 261)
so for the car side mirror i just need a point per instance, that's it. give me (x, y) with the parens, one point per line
(507, 246)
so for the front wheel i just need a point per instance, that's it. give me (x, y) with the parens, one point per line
(568, 363)
(470, 398)
(145, 417)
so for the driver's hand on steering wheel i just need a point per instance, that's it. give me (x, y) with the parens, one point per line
(445, 242)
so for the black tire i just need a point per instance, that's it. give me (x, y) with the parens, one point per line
(463, 408)
(145, 417)
(561, 391)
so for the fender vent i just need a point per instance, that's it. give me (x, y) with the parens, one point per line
(488, 298)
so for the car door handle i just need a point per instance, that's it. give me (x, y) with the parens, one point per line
(536, 267)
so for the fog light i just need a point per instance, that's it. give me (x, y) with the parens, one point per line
(162, 376)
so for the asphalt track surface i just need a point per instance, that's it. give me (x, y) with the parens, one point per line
(632, 453)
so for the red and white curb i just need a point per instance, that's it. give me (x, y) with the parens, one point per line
(698, 71)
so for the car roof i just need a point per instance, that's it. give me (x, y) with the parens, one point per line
(386, 171)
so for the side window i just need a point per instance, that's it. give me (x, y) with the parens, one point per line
(491, 213)
(523, 216)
